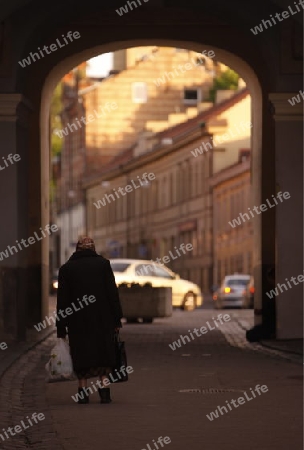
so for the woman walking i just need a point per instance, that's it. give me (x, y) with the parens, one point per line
(86, 286)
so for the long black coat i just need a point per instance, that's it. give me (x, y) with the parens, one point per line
(91, 328)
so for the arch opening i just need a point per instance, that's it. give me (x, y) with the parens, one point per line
(231, 60)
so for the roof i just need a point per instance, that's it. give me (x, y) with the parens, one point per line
(118, 160)
(244, 276)
(132, 261)
(215, 110)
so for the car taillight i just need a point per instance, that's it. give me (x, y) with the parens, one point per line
(227, 290)
(251, 290)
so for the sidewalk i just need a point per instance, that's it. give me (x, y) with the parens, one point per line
(290, 349)
(15, 349)
(151, 404)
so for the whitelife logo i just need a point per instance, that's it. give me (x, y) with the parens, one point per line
(63, 313)
(297, 99)
(239, 129)
(11, 158)
(109, 197)
(285, 15)
(53, 47)
(18, 428)
(3, 346)
(101, 385)
(238, 402)
(160, 441)
(124, 9)
(203, 330)
(31, 240)
(182, 68)
(275, 291)
(262, 207)
(76, 125)
(147, 269)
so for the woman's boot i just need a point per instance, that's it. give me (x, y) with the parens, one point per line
(83, 396)
(104, 394)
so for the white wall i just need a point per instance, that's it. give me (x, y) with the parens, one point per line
(238, 120)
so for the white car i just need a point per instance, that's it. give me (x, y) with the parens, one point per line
(185, 294)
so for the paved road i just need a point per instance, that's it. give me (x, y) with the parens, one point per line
(151, 404)
(208, 302)
(216, 368)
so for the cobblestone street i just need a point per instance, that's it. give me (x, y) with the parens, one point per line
(216, 367)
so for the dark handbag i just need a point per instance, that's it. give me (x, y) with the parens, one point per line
(119, 373)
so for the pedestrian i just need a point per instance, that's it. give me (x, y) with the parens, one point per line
(92, 324)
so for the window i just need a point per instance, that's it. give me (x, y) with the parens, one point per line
(93, 214)
(237, 282)
(155, 195)
(200, 61)
(185, 180)
(172, 241)
(244, 154)
(145, 270)
(174, 187)
(194, 243)
(179, 183)
(139, 92)
(162, 273)
(192, 96)
(171, 182)
(119, 267)
(163, 200)
(137, 200)
(249, 262)
(233, 208)
(144, 200)
(131, 205)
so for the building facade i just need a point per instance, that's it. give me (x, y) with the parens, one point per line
(175, 207)
(232, 237)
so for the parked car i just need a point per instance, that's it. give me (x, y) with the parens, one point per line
(185, 294)
(231, 291)
(248, 298)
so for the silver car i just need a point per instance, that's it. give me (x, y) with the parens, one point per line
(231, 292)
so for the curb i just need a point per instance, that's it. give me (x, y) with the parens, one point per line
(283, 353)
(273, 347)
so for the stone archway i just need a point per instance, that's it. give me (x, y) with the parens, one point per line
(273, 75)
